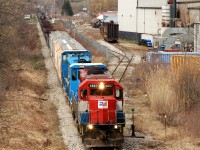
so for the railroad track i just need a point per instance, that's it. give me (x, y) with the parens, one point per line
(126, 58)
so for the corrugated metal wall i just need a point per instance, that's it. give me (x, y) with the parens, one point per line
(190, 61)
(165, 57)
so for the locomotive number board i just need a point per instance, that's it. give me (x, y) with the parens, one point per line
(96, 85)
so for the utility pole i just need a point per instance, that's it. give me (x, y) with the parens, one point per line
(85, 8)
(54, 8)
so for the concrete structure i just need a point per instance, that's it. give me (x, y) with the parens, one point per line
(189, 11)
(197, 37)
(139, 16)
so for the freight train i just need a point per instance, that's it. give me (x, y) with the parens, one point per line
(95, 98)
(109, 31)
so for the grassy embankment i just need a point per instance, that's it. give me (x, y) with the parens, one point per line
(27, 119)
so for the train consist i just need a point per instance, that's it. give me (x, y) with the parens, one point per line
(95, 98)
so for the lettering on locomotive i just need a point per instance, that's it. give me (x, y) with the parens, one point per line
(103, 104)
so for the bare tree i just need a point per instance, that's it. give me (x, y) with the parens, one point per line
(102, 5)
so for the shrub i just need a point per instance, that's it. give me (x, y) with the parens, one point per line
(172, 92)
(39, 65)
(161, 85)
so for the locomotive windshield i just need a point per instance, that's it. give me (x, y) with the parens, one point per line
(98, 92)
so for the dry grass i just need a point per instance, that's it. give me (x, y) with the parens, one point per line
(162, 95)
(191, 126)
(155, 91)
(27, 119)
(176, 94)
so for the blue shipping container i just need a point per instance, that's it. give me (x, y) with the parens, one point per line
(165, 57)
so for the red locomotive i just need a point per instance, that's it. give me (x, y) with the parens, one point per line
(100, 105)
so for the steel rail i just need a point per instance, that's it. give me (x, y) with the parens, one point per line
(125, 69)
(129, 60)
(118, 65)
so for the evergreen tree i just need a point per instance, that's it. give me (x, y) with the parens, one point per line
(67, 9)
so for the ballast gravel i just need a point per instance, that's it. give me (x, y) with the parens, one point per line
(67, 125)
(56, 95)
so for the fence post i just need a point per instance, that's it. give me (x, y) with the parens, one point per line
(133, 126)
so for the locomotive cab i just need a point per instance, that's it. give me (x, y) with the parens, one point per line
(100, 109)
(69, 75)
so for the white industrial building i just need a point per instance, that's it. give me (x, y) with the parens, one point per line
(139, 16)
(153, 18)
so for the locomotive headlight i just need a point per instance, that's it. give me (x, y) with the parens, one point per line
(101, 86)
(90, 126)
(115, 127)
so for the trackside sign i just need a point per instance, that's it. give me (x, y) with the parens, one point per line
(103, 104)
